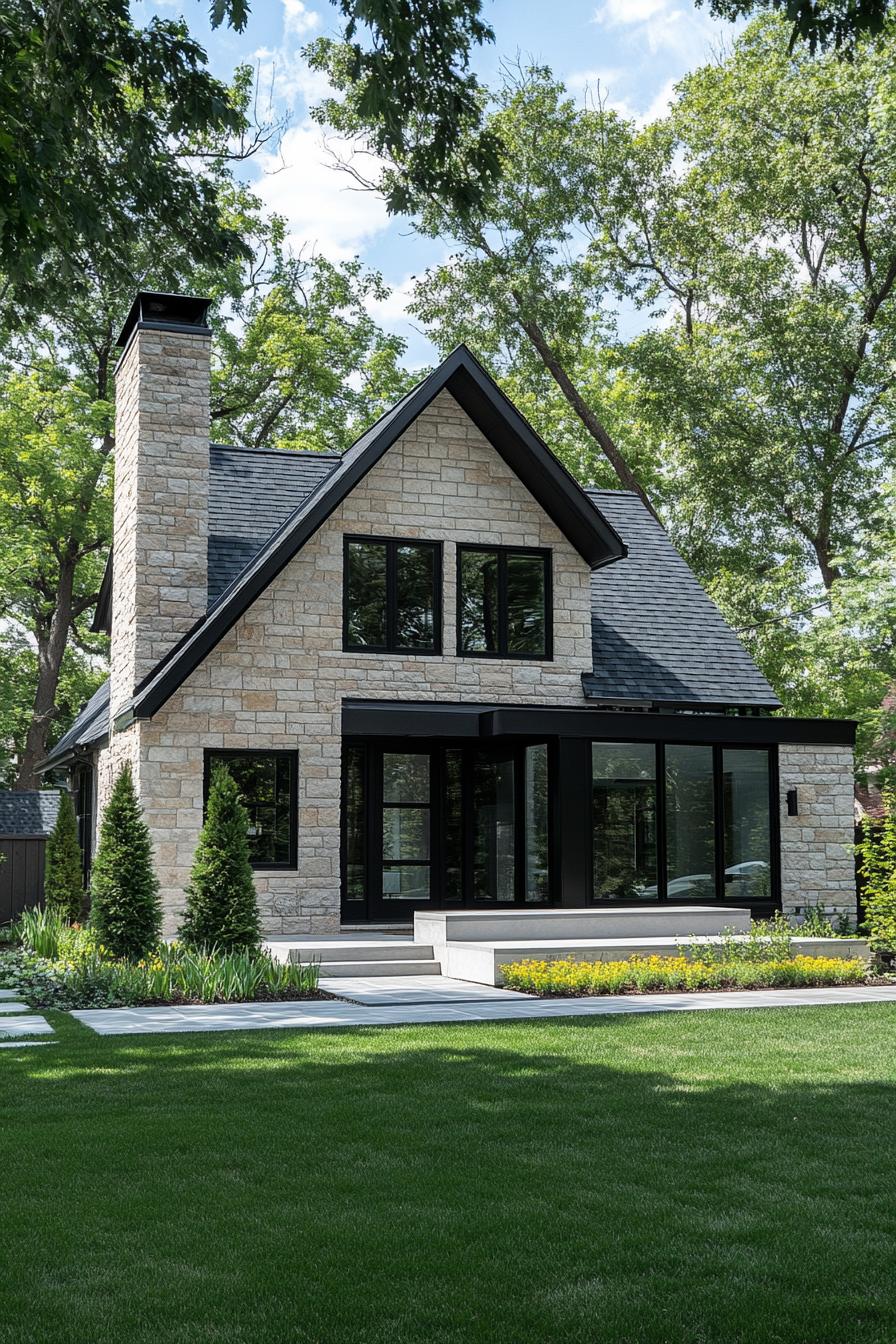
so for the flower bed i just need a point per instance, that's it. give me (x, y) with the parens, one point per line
(645, 975)
(55, 965)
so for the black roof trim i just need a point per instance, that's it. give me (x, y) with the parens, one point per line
(562, 498)
(102, 616)
(165, 312)
(410, 718)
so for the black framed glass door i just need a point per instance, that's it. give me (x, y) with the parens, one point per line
(444, 825)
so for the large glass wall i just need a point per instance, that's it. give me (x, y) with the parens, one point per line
(690, 823)
(746, 818)
(494, 827)
(623, 792)
(537, 819)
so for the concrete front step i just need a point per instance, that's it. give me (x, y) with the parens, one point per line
(364, 969)
(352, 949)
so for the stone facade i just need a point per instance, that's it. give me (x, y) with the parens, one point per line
(160, 574)
(817, 863)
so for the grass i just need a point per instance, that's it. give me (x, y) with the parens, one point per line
(703, 1178)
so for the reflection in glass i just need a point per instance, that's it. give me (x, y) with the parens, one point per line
(415, 591)
(453, 825)
(406, 777)
(409, 882)
(537, 832)
(690, 827)
(264, 784)
(405, 832)
(355, 857)
(406, 826)
(623, 780)
(746, 824)
(526, 604)
(493, 828)
(366, 594)
(479, 601)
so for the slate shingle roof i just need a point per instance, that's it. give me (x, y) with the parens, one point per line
(251, 493)
(89, 728)
(656, 635)
(30, 813)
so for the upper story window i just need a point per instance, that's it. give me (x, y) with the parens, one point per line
(503, 602)
(392, 598)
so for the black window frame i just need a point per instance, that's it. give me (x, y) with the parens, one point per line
(392, 545)
(502, 553)
(718, 749)
(293, 757)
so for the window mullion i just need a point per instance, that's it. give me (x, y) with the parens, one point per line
(391, 596)
(502, 603)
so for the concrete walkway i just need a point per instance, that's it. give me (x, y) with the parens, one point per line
(17, 1020)
(508, 1007)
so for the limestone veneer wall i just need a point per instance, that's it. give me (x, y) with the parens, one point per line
(817, 863)
(278, 678)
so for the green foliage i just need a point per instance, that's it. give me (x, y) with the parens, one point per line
(410, 88)
(125, 911)
(64, 872)
(645, 975)
(40, 931)
(819, 23)
(877, 855)
(77, 972)
(97, 121)
(816, 924)
(222, 907)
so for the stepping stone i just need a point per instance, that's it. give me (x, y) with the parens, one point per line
(9, 993)
(25, 1026)
(17, 1045)
(7, 1007)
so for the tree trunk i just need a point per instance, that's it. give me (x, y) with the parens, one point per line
(593, 425)
(51, 646)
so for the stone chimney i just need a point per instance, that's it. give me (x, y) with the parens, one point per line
(160, 537)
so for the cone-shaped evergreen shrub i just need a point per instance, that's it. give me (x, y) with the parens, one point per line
(222, 908)
(125, 911)
(63, 876)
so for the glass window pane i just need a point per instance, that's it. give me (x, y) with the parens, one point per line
(264, 784)
(537, 828)
(493, 828)
(365, 594)
(479, 601)
(623, 780)
(405, 832)
(452, 825)
(406, 882)
(406, 777)
(526, 623)
(355, 836)
(690, 828)
(747, 825)
(415, 590)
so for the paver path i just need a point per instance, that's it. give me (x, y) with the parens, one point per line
(330, 1013)
(381, 989)
(16, 1019)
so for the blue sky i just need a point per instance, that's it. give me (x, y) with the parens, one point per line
(636, 49)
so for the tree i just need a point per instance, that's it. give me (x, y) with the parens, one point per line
(64, 871)
(125, 910)
(877, 856)
(837, 23)
(104, 128)
(222, 908)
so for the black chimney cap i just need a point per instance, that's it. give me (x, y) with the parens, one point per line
(169, 312)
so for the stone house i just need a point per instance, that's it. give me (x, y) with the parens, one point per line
(443, 673)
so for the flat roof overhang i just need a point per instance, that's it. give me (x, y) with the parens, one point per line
(396, 719)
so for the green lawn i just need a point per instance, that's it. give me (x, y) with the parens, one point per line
(712, 1177)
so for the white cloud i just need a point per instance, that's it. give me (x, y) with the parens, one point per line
(616, 12)
(660, 103)
(394, 308)
(659, 25)
(324, 208)
(298, 19)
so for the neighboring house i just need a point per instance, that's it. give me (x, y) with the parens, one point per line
(26, 819)
(441, 671)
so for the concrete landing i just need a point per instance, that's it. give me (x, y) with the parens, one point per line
(414, 989)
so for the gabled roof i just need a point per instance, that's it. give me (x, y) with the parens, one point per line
(657, 637)
(88, 730)
(29, 813)
(562, 498)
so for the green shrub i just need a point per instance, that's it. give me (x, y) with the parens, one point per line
(877, 854)
(767, 940)
(222, 908)
(816, 924)
(568, 977)
(64, 877)
(125, 911)
(40, 931)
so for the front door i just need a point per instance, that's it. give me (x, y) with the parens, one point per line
(444, 826)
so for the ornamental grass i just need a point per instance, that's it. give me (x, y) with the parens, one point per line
(643, 975)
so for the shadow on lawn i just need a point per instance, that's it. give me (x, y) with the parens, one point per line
(476, 1183)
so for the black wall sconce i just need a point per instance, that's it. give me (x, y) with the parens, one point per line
(792, 803)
